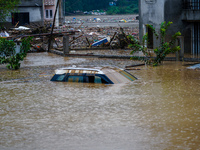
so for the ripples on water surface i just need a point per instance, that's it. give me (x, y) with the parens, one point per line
(161, 110)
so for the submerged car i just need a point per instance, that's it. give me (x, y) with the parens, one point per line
(105, 75)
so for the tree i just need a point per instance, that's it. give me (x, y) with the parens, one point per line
(123, 6)
(164, 48)
(6, 6)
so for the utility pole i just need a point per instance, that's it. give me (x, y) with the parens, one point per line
(50, 37)
(60, 13)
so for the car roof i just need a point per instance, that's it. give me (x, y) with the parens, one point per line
(115, 74)
(78, 70)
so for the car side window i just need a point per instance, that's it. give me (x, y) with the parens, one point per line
(74, 79)
(97, 79)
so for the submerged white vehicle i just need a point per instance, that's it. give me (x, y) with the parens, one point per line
(105, 75)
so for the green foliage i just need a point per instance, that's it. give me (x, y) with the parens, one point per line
(164, 47)
(137, 47)
(113, 10)
(6, 6)
(123, 6)
(8, 53)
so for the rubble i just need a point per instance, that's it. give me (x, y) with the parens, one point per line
(85, 36)
(94, 34)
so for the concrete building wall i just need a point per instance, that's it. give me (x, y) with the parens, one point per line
(50, 8)
(33, 7)
(31, 3)
(59, 14)
(151, 12)
(184, 19)
(173, 12)
(35, 13)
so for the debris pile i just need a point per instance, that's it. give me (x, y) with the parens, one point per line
(95, 19)
(87, 36)
(84, 37)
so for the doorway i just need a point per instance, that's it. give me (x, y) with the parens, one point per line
(150, 37)
(20, 18)
(196, 40)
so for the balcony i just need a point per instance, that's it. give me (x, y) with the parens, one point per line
(191, 10)
(49, 2)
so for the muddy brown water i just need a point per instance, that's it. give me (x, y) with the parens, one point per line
(159, 111)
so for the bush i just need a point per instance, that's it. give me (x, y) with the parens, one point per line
(8, 53)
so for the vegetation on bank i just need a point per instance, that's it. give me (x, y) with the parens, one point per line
(118, 7)
(164, 48)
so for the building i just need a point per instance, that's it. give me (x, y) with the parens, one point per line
(28, 11)
(35, 11)
(185, 15)
(49, 11)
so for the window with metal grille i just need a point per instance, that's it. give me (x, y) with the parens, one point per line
(196, 39)
(191, 4)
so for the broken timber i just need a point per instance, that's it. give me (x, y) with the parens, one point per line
(47, 34)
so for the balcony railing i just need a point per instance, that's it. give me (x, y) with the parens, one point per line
(49, 2)
(191, 4)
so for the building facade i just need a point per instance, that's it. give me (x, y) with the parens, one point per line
(185, 15)
(28, 11)
(49, 11)
(35, 11)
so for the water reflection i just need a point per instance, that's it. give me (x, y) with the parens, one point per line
(161, 110)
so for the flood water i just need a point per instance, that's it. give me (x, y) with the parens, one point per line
(159, 111)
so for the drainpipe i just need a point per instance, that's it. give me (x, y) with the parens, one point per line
(42, 12)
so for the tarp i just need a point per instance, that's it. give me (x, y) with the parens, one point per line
(4, 34)
(22, 28)
(105, 40)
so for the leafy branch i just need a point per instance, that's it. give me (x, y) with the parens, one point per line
(162, 50)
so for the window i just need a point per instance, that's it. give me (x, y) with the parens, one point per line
(75, 79)
(97, 80)
(49, 13)
(82, 78)
(192, 4)
(93, 79)
(196, 39)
